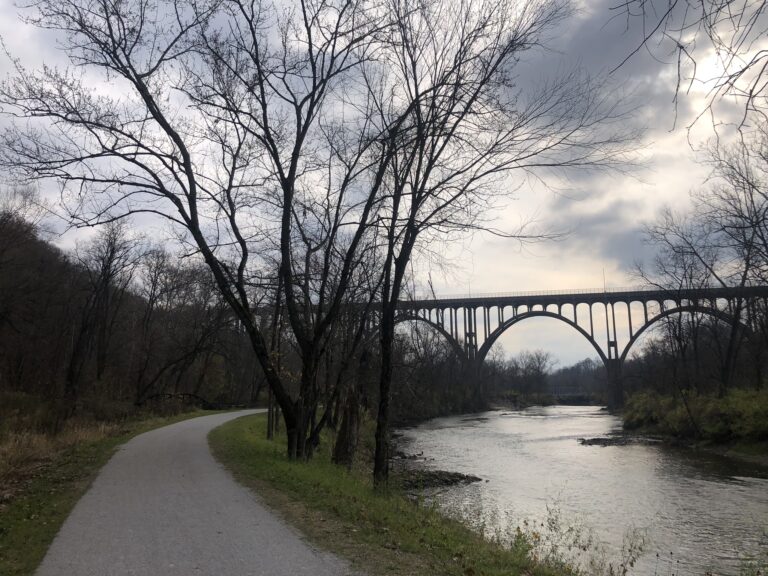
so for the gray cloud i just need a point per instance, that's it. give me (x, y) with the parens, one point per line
(613, 232)
(597, 39)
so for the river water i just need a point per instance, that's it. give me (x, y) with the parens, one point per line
(700, 513)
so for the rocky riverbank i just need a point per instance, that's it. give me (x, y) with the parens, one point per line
(620, 440)
(413, 475)
(748, 456)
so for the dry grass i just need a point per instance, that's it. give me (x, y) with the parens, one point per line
(25, 454)
(36, 431)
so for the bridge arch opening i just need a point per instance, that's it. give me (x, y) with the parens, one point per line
(541, 343)
(545, 330)
(647, 329)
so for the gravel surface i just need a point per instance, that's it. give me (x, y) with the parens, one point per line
(164, 506)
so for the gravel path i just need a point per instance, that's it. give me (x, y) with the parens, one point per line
(164, 506)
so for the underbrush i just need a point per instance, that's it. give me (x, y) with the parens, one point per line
(34, 430)
(518, 401)
(389, 533)
(742, 415)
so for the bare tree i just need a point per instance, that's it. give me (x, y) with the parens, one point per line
(535, 365)
(310, 137)
(224, 125)
(451, 67)
(108, 263)
(718, 43)
(692, 254)
(735, 204)
(722, 243)
(181, 323)
(22, 203)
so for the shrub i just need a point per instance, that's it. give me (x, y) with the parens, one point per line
(642, 410)
(740, 415)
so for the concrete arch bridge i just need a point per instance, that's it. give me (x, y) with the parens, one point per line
(472, 324)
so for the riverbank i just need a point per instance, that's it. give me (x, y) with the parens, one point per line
(379, 533)
(748, 452)
(515, 401)
(735, 426)
(42, 476)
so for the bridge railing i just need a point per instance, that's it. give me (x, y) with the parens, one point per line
(578, 291)
(458, 296)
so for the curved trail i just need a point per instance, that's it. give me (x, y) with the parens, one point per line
(163, 505)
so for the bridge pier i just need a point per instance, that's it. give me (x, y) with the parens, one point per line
(615, 383)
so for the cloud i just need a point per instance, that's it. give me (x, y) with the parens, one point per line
(606, 229)
(25, 42)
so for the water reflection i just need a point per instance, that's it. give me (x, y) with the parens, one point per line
(702, 512)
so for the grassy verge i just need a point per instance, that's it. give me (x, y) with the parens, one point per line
(380, 534)
(36, 495)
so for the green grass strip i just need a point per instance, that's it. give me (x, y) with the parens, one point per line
(339, 510)
(33, 518)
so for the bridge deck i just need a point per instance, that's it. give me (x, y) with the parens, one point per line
(593, 296)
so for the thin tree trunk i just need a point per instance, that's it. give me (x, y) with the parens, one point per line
(381, 457)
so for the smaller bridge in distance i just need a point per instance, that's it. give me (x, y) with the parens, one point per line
(472, 324)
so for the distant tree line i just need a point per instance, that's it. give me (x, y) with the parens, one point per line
(531, 377)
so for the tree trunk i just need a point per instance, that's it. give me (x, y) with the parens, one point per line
(346, 442)
(270, 414)
(381, 457)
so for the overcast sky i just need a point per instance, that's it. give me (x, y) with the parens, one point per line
(604, 212)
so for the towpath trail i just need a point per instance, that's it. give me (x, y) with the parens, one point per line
(164, 506)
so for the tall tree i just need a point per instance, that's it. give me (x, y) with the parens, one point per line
(451, 67)
(226, 130)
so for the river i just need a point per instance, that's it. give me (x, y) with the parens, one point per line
(699, 512)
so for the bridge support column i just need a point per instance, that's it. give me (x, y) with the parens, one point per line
(615, 383)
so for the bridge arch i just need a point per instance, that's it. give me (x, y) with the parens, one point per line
(486, 347)
(715, 313)
(457, 348)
